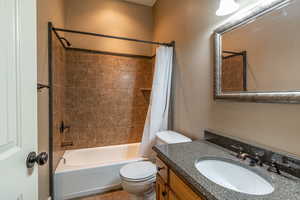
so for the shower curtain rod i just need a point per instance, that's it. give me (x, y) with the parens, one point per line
(171, 44)
(234, 53)
(67, 45)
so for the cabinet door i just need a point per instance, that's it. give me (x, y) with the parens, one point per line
(171, 195)
(161, 189)
(163, 170)
(181, 189)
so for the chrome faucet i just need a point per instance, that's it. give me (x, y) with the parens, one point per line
(240, 150)
(254, 160)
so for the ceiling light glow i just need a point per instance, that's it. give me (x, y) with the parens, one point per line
(227, 7)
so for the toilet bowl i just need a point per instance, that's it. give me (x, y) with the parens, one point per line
(138, 178)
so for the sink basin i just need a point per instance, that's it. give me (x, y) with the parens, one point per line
(234, 177)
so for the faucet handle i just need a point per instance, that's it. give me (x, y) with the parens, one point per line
(259, 158)
(239, 148)
(289, 163)
(259, 154)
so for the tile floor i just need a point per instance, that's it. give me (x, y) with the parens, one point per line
(116, 195)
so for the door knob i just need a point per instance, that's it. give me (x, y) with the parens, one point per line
(33, 158)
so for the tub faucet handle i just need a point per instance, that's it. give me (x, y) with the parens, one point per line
(63, 127)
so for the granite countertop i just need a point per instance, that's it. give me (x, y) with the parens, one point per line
(182, 157)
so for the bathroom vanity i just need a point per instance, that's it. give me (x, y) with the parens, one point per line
(204, 170)
(170, 187)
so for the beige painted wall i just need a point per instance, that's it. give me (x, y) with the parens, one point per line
(48, 10)
(191, 24)
(273, 59)
(111, 17)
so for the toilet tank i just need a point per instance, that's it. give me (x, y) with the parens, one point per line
(170, 137)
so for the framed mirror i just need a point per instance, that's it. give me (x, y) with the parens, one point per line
(257, 54)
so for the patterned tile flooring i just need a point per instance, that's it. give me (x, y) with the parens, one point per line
(115, 195)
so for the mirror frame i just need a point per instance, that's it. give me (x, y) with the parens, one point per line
(239, 19)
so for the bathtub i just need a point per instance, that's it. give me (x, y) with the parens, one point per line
(92, 171)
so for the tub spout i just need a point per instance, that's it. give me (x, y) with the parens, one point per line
(64, 160)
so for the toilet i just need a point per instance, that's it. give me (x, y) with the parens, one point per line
(138, 178)
(170, 137)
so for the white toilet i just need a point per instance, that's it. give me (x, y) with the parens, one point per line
(138, 178)
(170, 137)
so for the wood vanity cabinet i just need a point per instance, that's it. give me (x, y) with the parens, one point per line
(161, 189)
(171, 195)
(170, 187)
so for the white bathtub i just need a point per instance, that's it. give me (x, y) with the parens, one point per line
(92, 171)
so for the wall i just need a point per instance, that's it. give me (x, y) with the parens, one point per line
(111, 17)
(104, 103)
(191, 24)
(273, 59)
(47, 10)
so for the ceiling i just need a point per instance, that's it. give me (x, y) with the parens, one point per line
(143, 2)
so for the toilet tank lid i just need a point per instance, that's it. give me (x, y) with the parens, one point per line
(172, 137)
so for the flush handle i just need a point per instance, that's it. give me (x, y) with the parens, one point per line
(160, 168)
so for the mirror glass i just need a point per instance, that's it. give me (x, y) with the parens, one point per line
(263, 55)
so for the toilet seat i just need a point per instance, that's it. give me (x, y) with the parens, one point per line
(138, 172)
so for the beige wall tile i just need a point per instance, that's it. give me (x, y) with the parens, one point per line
(103, 101)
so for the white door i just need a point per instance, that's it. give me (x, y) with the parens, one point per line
(18, 99)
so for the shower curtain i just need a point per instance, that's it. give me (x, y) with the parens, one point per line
(158, 111)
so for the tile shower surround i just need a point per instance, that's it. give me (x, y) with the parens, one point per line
(233, 74)
(104, 104)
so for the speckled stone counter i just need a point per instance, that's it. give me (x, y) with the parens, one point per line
(181, 159)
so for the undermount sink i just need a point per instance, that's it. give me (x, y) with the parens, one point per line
(234, 177)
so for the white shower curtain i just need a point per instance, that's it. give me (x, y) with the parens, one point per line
(157, 116)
